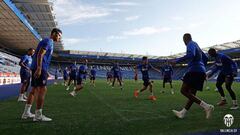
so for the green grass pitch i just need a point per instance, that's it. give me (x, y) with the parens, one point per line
(106, 111)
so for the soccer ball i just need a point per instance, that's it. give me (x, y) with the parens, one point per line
(207, 88)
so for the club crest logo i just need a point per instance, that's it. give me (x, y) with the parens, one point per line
(228, 120)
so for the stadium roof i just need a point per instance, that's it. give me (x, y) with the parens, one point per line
(221, 47)
(22, 29)
(230, 47)
(40, 15)
(114, 54)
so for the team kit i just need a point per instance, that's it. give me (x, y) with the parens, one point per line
(35, 72)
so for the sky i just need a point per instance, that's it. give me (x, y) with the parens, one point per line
(146, 27)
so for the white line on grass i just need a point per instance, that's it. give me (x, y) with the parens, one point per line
(108, 105)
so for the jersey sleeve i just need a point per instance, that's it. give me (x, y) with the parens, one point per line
(23, 59)
(191, 52)
(45, 44)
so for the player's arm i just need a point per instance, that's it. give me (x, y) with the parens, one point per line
(21, 63)
(136, 71)
(156, 69)
(40, 55)
(188, 57)
(212, 71)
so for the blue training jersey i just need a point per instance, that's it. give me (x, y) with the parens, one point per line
(27, 61)
(116, 69)
(46, 44)
(65, 73)
(93, 72)
(144, 68)
(167, 71)
(225, 64)
(82, 71)
(195, 57)
(73, 70)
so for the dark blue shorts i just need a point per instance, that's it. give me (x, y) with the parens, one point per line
(79, 81)
(73, 77)
(195, 80)
(167, 79)
(25, 76)
(93, 78)
(41, 81)
(116, 76)
(222, 78)
(146, 82)
(65, 78)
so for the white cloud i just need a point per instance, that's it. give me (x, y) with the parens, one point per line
(177, 18)
(125, 3)
(131, 18)
(73, 41)
(114, 37)
(195, 25)
(73, 11)
(146, 31)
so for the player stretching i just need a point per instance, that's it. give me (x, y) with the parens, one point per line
(65, 76)
(193, 79)
(93, 73)
(228, 70)
(25, 73)
(40, 64)
(73, 76)
(144, 68)
(167, 72)
(81, 72)
(116, 69)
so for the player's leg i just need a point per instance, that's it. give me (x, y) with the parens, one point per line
(228, 84)
(120, 82)
(22, 90)
(27, 110)
(79, 86)
(40, 97)
(164, 85)
(113, 82)
(137, 92)
(172, 90)
(94, 78)
(150, 88)
(75, 83)
(192, 81)
(220, 81)
(182, 113)
(24, 80)
(69, 83)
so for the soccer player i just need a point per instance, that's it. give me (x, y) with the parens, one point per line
(25, 73)
(167, 72)
(116, 69)
(73, 76)
(228, 70)
(65, 76)
(109, 77)
(144, 68)
(193, 79)
(93, 73)
(81, 72)
(40, 64)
